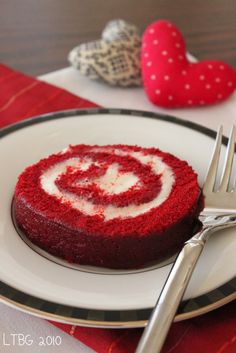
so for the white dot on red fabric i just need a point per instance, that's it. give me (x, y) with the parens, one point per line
(181, 57)
(202, 102)
(153, 77)
(157, 91)
(149, 63)
(174, 34)
(184, 72)
(169, 25)
(230, 83)
(217, 79)
(187, 86)
(190, 102)
(208, 86)
(146, 55)
(155, 42)
(170, 98)
(170, 60)
(72, 330)
(164, 52)
(201, 77)
(210, 66)
(219, 96)
(177, 45)
(166, 78)
(222, 67)
(151, 30)
(144, 45)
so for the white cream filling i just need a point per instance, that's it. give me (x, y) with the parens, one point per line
(112, 182)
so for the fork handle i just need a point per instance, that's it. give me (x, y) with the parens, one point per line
(163, 314)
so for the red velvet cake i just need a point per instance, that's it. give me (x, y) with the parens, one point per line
(112, 206)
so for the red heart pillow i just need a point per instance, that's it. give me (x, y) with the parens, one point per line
(170, 80)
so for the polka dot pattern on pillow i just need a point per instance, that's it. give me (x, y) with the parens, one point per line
(171, 81)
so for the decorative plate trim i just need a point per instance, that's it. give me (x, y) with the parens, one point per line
(116, 318)
(113, 318)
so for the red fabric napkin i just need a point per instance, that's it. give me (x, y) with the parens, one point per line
(22, 97)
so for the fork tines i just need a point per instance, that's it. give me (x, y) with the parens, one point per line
(210, 189)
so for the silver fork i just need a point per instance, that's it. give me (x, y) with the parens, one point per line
(219, 213)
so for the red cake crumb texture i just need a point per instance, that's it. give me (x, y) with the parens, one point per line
(108, 206)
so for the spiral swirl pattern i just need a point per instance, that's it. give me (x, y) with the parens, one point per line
(111, 181)
(113, 206)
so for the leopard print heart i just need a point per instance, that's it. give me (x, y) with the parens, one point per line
(114, 59)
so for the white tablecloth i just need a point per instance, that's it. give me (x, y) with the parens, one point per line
(15, 322)
(135, 98)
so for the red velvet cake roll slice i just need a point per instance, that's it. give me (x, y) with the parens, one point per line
(112, 206)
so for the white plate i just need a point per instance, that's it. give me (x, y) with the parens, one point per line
(82, 292)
